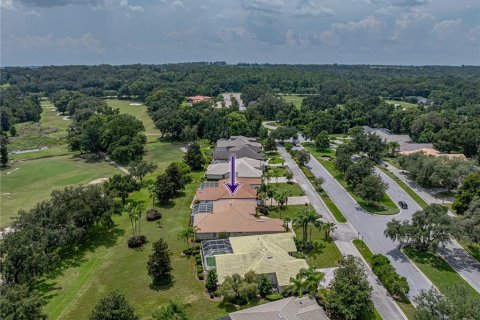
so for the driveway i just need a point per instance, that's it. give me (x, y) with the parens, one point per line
(343, 236)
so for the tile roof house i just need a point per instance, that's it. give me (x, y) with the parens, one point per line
(216, 190)
(196, 99)
(268, 254)
(246, 168)
(291, 308)
(231, 218)
(240, 146)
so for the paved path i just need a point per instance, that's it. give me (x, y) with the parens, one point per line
(295, 200)
(343, 236)
(460, 260)
(371, 227)
(116, 165)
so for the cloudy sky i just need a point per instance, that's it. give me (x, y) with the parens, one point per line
(417, 32)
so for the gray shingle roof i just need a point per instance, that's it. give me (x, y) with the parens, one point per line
(239, 152)
(285, 309)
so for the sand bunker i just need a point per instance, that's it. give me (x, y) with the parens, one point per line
(98, 181)
(135, 104)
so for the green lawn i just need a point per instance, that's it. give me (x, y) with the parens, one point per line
(325, 253)
(27, 182)
(326, 199)
(405, 187)
(438, 271)
(50, 131)
(386, 206)
(295, 99)
(472, 248)
(405, 305)
(281, 171)
(138, 111)
(294, 188)
(404, 104)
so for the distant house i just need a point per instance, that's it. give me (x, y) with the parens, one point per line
(269, 254)
(216, 190)
(433, 152)
(197, 99)
(231, 218)
(291, 308)
(245, 168)
(240, 146)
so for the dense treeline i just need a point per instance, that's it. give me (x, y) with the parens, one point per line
(447, 85)
(17, 107)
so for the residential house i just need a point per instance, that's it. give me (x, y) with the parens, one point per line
(216, 190)
(245, 168)
(231, 218)
(197, 99)
(292, 308)
(268, 254)
(240, 146)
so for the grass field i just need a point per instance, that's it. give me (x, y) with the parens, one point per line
(140, 112)
(325, 253)
(405, 187)
(28, 182)
(439, 271)
(404, 104)
(50, 131)
(406, 306)
(386, 205)
(294, 188)
(295, 99)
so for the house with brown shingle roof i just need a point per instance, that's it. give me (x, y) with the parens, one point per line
(231, 218)
(216, 190)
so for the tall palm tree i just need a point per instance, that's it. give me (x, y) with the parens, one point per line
(189, 233)
(286, 193)
(286, 221)
(310, 279)
(329, 227)
(304, 219)
(296, 285)
(134, 211)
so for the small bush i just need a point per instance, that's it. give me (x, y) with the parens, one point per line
(195, 252)
(200, 276)
(197, 246)
(299, 255)
(153, 214)
(199, 269)
(198, 260)
(274, 297)
(136, 241)
(187, 252)
(262, 210)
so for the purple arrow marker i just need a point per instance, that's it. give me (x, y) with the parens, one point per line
(232, 186)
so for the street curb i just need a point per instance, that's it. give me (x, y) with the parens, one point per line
(376, 278)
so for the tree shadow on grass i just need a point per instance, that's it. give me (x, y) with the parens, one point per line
(75, 257)
(317, 250)
(165, 285)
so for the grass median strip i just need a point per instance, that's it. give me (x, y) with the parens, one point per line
(387, 206)
(326, 199)
(439, 271)
(405, 187)
(407, 308)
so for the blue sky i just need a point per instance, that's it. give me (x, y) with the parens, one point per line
(406, 32)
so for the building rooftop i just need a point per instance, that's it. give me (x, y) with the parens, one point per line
(246, 168)
(387, 136)
(263, 254)
(243, 151)
(235, 216)
(236, 141)
(217, 190)
(291, 308)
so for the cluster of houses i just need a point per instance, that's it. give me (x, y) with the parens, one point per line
(407, 146)
(235, 237)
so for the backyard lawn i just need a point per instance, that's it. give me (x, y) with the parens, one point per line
(294, 188)
(325, 253)
(386, 205)
(27, 182)
(295, 99)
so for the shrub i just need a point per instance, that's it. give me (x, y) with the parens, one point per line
(299, 255)
(198, 260)
(199, 269)
(262, 210)
(393, 282)
(187, 252)
(153, 214)
(200, 276)
(136, 241)
(274, 297)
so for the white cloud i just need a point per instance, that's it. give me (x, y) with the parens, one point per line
(7, 5)
(234, 34)
(32, 13)
(83, 43)
(311, 8)
(414, 21)
(473, 35)
(96, 4)
(446, 28)
(178, 4)
(345, 30)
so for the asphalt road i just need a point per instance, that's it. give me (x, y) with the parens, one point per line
(343, 236)
(371, 227)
